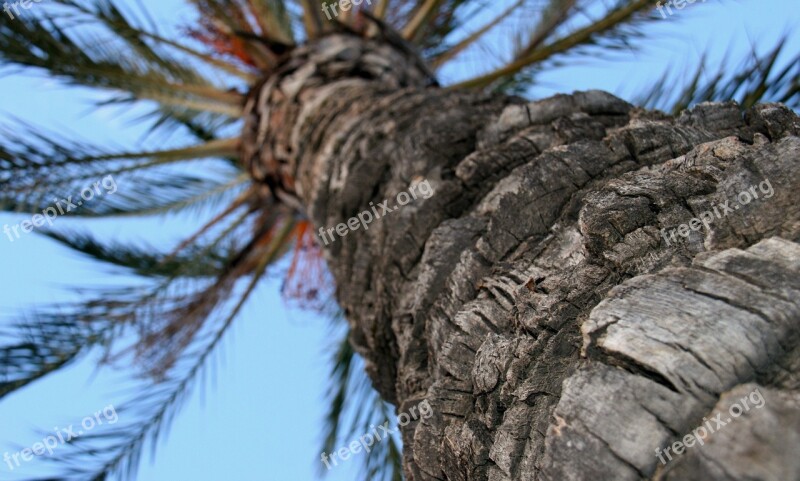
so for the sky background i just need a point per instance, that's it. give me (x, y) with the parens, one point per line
(262, 418)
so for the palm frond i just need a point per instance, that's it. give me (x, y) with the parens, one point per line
(138, 39)
(451, 52)
(36, 349)
(355, 409)
(312, 17)
(118, 453)
(422, 18)
(179, 330)
(158, 406)
(758, 78)
(609, 31)
(248, 30)
(119, 62)
(195, 261)
(38, 170)
(429, 23)
(274, 19)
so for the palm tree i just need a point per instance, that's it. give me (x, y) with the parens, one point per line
(537, 299)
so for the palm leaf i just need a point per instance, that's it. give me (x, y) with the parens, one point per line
(37, 349)
(110, 63)
(144, 260)
(758, 79)
(451, 52)
(611, 31)
(37, 170)
(158, 406)
(355, 409)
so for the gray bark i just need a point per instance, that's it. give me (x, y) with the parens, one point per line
(533, 300)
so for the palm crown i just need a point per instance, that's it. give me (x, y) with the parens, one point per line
(171, 322)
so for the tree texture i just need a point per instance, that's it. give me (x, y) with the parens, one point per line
(537, 300)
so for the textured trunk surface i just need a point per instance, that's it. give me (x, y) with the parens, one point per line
(533, 299)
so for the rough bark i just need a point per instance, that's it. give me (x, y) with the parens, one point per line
(533, 300)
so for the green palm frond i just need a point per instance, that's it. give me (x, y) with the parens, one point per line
(156, 49)
(758, 79)
(138, 39)
(355, 409)
(613, 30)
(117, 453)
(32, 350)
(450, 52)
(117, 62)
(194, 315)
(427, 24)
(37, 170)
(143, 260)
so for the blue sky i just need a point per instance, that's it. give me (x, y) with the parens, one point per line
(261, 419)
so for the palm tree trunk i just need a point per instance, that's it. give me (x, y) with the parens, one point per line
(546, 299)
